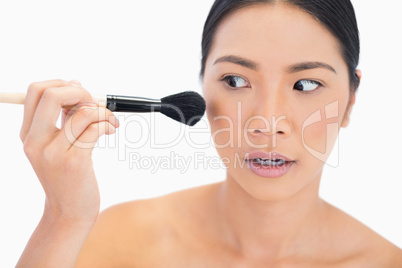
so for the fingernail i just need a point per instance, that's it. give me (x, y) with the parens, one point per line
(94, 100)
(75, 83)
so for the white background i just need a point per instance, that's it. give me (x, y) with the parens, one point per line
(152, 49)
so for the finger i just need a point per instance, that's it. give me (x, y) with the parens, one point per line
(87, 140)
(81, 119)
(49, 107)
(75, 82)
(34, 94)
(66, 111)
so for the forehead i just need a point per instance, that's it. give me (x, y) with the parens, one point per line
(275, 33)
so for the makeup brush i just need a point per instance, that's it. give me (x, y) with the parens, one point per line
(186, 107)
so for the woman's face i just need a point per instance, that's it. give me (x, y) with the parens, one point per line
(275, 81)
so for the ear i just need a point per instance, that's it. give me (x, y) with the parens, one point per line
(346, 117)
(352, 101)
(359, 74)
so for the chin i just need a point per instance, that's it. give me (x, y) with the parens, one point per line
(273, 189)
(263, 189)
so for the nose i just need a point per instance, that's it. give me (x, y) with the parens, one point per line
(270, 116)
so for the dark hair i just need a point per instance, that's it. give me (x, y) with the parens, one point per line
(338, 16)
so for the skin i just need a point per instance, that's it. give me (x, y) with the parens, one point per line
(245, 221)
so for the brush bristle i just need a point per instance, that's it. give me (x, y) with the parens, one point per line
(186, 107)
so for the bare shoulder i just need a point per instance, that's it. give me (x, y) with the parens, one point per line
(132, 234)
(362, 246)
(121, 234)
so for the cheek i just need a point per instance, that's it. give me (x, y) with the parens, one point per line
(314, 136)
(222, 118)
(221, 113)
(319, 130)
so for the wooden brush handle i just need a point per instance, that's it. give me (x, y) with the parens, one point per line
(19, 98)
(15, 98)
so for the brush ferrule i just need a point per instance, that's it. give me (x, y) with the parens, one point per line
(132, 104)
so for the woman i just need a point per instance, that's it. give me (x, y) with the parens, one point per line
(277, 77)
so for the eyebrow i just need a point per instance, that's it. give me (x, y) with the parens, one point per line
(298, 67)
(239, 61)
(309, 65)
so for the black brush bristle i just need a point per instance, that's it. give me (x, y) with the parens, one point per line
(186, 107)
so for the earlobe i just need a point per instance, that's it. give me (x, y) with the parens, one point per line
(346, 117)
(359, 74)
(352, 100)
(345, 121)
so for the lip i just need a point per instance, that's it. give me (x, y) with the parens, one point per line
(265, 155)
(268, 171)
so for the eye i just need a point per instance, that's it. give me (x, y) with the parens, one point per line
(306, 85)
(235, 82)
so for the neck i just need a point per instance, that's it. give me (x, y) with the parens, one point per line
(277, 228)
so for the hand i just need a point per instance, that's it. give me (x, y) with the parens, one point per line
(62, 158)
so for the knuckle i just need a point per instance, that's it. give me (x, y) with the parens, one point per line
(22, 135)
(29, 147)
(85, 94)
(50, 93)
(83, 90)
(86, 112)
(93, 128)
(34, 88)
